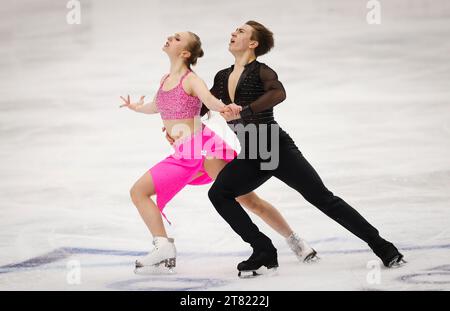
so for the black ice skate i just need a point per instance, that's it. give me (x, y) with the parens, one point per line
(397, 261)
(390, 255)
(260, 262)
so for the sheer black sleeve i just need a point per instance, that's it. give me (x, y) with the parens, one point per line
(274, 92)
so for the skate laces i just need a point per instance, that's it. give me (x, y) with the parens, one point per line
(155, 244)
(158, 242)
(295, 242)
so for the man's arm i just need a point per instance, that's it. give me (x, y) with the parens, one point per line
(274, 92)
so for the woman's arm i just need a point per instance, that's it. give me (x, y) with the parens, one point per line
(149, 108)
(200, 90)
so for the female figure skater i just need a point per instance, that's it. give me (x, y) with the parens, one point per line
(199, 153)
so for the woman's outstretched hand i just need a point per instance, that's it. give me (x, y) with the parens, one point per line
(130, 105)
(231, 112)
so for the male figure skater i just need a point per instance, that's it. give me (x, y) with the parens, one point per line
(256, 87)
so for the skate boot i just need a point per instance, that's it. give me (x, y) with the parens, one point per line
(161, 259)
(260, 262)
(389, 254)
(301, 249)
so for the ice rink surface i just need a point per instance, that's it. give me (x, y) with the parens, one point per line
(368, 106)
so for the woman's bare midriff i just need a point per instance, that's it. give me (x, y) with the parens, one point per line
(182, 128)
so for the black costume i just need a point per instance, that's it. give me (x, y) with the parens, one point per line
(258, 91)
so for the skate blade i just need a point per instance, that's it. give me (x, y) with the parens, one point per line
(263, 271)
(164, 267)
(312, 257)
(153, 270)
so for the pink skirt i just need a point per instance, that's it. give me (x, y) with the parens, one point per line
(181, 168)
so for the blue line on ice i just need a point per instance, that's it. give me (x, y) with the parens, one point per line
(64, 252)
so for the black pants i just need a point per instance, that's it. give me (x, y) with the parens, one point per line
(242, 176)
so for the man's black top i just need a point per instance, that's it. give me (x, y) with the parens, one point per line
(257, 91)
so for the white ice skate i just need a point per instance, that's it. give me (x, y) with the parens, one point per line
(301, 249)
(161, 259)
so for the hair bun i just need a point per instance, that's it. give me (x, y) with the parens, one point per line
(201, 53)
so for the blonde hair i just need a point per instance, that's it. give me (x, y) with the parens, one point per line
(195, 48)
